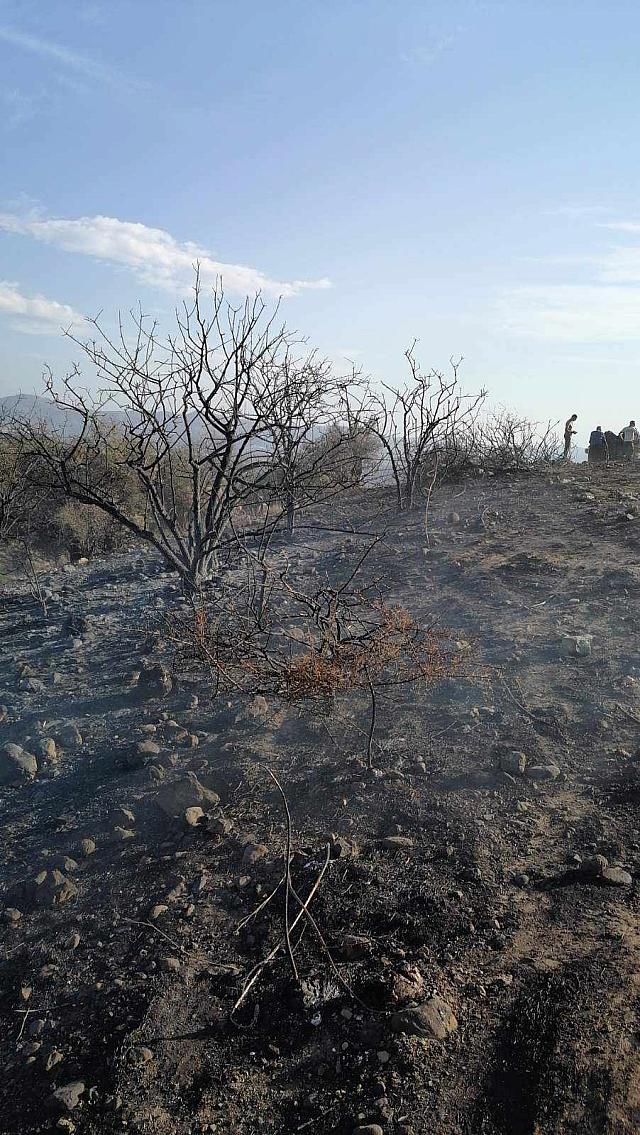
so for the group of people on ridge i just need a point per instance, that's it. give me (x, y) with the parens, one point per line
(605, 446)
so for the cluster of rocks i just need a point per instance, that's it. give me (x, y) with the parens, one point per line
(516, 763)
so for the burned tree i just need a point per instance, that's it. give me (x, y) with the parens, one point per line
(184, 417)
(419, 426)
(312, 453)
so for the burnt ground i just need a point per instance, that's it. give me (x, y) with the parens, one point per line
(490, 903)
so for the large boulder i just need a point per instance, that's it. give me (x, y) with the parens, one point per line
(188, 792)
(17, 766)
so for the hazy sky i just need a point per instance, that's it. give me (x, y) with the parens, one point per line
(461, 172)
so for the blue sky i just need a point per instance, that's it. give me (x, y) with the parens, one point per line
(465, 173)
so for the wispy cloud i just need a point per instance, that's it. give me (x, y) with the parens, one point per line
(573, 313)
(427, 51)
(35, 315)
(153, 255)
(603, 308)
(16, 108)
(93, 69)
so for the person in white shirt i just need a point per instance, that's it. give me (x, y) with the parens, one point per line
(629, 437)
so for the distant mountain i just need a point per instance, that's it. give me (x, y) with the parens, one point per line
(49, 414)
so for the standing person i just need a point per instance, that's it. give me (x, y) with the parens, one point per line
(629, 437)
(569, 432)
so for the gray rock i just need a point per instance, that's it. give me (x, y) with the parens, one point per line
(513, 762)
(69, 736)
(396, 843)
(69, 1095)
(368, 1129)
(155, 681)
(86, 847)
(46, 749)
(252, 853)
(193, 817)
(543, 772)
(52, 888)
(577, 646)
(616, 877)
(185, 793)
(433, 1019)
(16, 765)
(143, 753)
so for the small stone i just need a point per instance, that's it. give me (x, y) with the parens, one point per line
(73, 941)
(155, 681)
(16, 765)
(149, 729)
(577, 646)
(69, 736)
(143, 753)
(69, 1095)
(407, 985)
(383, 1056)
(616, 877)
(141, 1055)
(158, 910)
(543, 772)
(185, 793)
(46, 749)
(396, 843)
(86, 847)
(219, 825)
(354, 947)
(368, 1129)
(194, 816)
(25, 992)
(252, 853)
(66, 1124)
(343, 848)
(52, 888)
(12, 915)
(123, 833)
(513, 762)
(170, 965)
(434, 1019)
(125, 814)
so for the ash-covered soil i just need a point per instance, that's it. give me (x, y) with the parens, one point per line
(475, 961)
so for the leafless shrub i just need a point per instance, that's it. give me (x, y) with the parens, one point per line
(274, 638)
(419, 426)
(506, 441)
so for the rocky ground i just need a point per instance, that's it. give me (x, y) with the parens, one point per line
(477, 960)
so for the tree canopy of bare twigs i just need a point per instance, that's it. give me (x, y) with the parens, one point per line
(506, 441)
(219, 418)
(421, 426)
(18, 492)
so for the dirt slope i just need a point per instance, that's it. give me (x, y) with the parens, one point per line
(121, 965)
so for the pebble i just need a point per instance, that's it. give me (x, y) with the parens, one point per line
(434, 1019)
(69, 1095)
(543, 772)
(86, 847)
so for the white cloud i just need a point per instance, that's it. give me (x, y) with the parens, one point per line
(155, 256)
(35, 315)
(98, 72)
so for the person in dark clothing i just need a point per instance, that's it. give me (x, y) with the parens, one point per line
(598, 450)
(569, 432)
